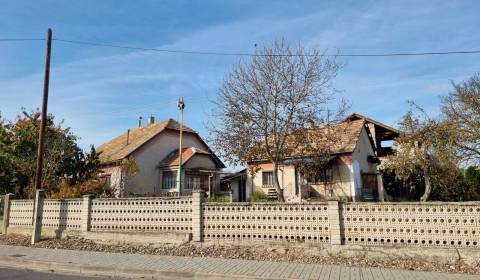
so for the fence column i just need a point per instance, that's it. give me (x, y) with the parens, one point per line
(86, 212)
(334, 221)
(38, 215)
(197, 215)
(6, 212)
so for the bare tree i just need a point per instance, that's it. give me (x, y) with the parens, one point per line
(424, 147)
(461, 111)
(265, 100)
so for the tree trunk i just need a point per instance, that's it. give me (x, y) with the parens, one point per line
(279, 190)
(428, 186)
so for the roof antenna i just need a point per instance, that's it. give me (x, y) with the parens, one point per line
(140, 121)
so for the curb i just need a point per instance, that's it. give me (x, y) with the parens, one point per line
(113, 272)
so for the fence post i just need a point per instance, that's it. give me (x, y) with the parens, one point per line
(334, 221)
(86, 212)
(197, 215)
(38, 215)
(6, 212)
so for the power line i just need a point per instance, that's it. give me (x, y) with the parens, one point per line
(20, 39)
(255, 54)
(192, 52)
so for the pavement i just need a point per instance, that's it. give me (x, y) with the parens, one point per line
(24, 274)
(136, 266)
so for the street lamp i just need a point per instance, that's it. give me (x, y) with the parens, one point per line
(181, 106)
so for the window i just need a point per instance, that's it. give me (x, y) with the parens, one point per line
(323, 176)
(192, 182)
(267, 179)
(169, 180)
(108, 180)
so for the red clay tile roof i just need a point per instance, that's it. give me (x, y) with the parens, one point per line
(187, 153)
(345, 135)
(117, 148)
(341, 137)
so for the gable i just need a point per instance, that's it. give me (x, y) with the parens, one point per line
(125, 144)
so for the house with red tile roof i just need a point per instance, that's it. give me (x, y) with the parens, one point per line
(356, 148)
(154, 149)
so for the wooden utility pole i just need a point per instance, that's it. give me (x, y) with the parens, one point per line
(41, 134)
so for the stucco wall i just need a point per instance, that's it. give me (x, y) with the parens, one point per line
(286, 178)
(201, 162)
(341, 180)
(235, 187)
(115, 174)
(149, 156)
(362, 151)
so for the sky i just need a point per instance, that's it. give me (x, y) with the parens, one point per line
(100, 92)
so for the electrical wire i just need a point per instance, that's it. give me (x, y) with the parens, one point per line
(20, 39)
(192, 52)
(255, 54)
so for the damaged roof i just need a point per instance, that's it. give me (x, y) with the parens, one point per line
(343, 137)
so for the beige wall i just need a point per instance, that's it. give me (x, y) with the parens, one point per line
(286, 178)
(115, 174)
(430, 224)
(201, 162)
(341, 180)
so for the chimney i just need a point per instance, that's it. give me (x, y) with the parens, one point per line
(151, 119)
(128, 136)
(140, 121)
(311, 124)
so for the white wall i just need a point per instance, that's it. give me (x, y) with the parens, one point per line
(362, 151)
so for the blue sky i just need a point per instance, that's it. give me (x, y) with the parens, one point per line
(100, 92)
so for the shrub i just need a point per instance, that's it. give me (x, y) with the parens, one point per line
(96, 187)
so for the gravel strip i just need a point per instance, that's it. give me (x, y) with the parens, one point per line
(260, 253)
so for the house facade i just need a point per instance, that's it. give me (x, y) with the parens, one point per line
(154, 149)
(351, 174)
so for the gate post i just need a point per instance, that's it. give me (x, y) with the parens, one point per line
(334, 221)
(6, 212)
(86, 212)
(38, 215)
(198, 197)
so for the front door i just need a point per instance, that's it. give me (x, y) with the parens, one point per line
(369, 187)
(242, 196)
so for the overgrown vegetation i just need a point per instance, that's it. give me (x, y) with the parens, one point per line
(67, 170)
(259, 196)
(432, 150)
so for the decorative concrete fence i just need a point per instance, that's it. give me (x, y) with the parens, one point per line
(447, 225)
